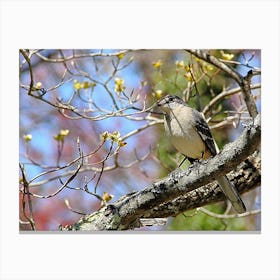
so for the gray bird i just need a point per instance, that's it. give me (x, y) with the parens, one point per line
(190, 134)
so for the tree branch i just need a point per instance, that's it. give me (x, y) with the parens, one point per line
(127, 211)
(246, 177)
(224, 94)
(244, 82)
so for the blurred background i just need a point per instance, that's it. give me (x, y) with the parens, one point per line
(91, 103)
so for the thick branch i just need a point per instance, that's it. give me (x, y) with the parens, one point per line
(247, 176)
(126, 213)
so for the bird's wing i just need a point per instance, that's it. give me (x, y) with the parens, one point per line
(204, 131)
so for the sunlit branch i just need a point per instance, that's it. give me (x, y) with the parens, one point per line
(81, 56)
(224, 94)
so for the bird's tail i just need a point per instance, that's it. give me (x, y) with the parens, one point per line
(231, 193)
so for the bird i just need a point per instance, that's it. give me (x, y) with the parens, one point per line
(190, 134)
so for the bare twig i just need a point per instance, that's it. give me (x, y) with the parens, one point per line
(27, 59)
(67, 203)
(81, 56)
(64, 185)
(227, 216)
(26, 192)
(224, 94)
(102, 167)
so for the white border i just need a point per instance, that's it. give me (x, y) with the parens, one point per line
(158, 24)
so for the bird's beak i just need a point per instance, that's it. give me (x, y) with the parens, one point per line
(156, 108)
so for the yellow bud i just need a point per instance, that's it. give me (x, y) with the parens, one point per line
(107, 197)
(115, 136)
(116, 133)
(104, 136)
(122, 143)
(157, 64)
(64, 132)
(119, 85)
(77, 85)
(227, 56)
(120, 55)
(38, 85)
(188, 76)
(144, 83)
(158, 93)
(61, 135)
(85, 84)
(57, 137)
(208, 67)
(180, 64)
(27, 137)
(119, 81)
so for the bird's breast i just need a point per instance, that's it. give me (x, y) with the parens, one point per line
(184, 138)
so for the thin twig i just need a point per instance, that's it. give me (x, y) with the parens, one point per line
(228, 216)
(26, 192)
(62, 187)
(102, 167)
(223, 94)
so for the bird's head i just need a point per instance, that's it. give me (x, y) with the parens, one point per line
(169, 102)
